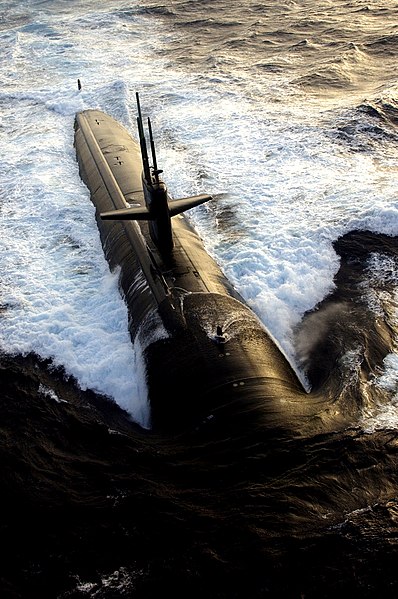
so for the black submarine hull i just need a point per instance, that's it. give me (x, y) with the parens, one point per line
(203, 347)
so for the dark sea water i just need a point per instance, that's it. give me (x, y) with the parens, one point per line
(288, 113)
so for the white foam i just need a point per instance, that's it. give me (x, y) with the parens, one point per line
(47, 392)
(383, 417)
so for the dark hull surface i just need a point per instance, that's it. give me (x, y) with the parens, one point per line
(177, 304)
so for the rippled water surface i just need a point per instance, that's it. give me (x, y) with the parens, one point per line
(287, 113)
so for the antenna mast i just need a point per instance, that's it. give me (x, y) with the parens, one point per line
(156, 171)
(144, 152)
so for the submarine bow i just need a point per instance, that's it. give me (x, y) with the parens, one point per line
(204, 350)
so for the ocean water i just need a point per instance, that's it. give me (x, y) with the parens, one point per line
(281, 128)
(287, 114)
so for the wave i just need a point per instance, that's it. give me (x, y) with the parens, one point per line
(331, 77)
(370, 127)
(383, 46)
(385, 109)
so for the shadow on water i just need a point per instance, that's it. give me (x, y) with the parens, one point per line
(93, 506)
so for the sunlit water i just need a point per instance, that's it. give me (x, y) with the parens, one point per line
(291, 170)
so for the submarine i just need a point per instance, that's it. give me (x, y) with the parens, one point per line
(205, 351)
